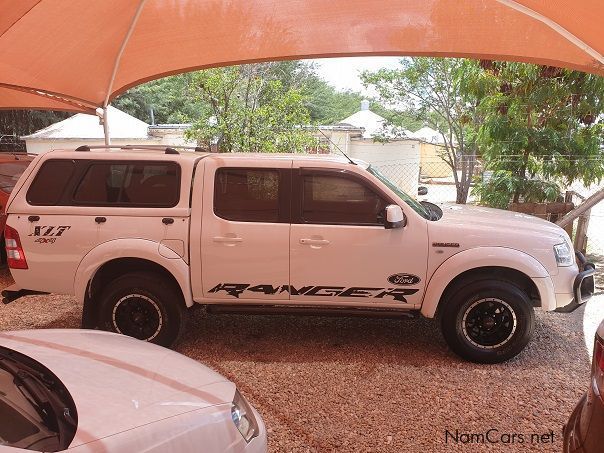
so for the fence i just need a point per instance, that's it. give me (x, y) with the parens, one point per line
(438, 186)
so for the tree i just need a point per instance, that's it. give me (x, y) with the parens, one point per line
(251, 109)
(430, 90)
(542, 129)
(16, 123)
(326, 105)
(168, 99)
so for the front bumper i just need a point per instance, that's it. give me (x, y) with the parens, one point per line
(584, 285)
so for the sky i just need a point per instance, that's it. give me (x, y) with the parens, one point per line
(343, 73)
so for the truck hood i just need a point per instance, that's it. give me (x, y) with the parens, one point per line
(498, 219)
(119, 383)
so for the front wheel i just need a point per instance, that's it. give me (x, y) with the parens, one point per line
(488, 321)
(143, 306)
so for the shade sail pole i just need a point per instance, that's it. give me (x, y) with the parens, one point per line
(103, 120)
(106, 126)
(116, 66)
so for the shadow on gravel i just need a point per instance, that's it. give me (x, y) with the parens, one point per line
(66, 321)
(299, 339)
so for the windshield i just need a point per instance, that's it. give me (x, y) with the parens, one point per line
(414, 204)
(36, 410)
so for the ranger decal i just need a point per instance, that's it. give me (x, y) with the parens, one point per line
(236, 289)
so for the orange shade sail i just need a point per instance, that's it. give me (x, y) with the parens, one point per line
(80, 54)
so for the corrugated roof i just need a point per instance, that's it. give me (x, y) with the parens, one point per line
(427, 134)
(374, 125)
(84, 126)
(371, 122)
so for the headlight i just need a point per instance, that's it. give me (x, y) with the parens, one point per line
(243, 417)
(564, 254)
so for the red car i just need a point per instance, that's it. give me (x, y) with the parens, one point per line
(12, 166)
(584, 432)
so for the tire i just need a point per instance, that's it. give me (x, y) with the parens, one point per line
(144, 306)
(488, 321)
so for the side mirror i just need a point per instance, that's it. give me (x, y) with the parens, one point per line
(394, 217)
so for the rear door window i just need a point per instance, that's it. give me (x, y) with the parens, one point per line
(250, 195)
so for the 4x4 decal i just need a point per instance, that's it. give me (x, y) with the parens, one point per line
(236, 289)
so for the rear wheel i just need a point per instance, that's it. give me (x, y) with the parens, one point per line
(488, 321)
(143, 306)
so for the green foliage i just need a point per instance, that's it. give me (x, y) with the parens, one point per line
(541, 130)
(430, 91)
(325, 104)
(251, 109)
(499, 189)
(167, 97)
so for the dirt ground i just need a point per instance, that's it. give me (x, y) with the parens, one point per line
(360, 385)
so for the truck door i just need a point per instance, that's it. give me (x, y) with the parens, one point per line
(245, 230)
(341, 251)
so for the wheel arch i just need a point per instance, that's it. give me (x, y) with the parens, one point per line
(116, 257)
(500, 262)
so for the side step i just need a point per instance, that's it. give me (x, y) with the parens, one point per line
(307, 310)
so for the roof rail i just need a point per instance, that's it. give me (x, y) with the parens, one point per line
(172, 149)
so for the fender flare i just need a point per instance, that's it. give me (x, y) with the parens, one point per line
(130, 248)
(483, 257)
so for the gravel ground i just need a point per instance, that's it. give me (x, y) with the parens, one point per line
(356, 384)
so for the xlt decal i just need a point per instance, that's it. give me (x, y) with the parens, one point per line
(404, 279)
(50, 230)
(236, 289)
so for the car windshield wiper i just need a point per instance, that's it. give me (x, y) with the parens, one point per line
(54, 413)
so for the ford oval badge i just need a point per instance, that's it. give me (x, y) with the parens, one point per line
(404, 279)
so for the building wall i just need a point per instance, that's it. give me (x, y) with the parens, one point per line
(333, 141)
(398, 160)
(432, 165)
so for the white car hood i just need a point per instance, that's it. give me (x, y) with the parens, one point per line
(119, 383)
(496, 218)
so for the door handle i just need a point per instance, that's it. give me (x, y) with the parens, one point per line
(33, 218)
(100, 219)
(227, 240)
(314, 241)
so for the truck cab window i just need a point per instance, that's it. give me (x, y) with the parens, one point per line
(336, 199)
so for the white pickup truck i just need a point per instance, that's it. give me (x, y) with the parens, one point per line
(139, 235)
